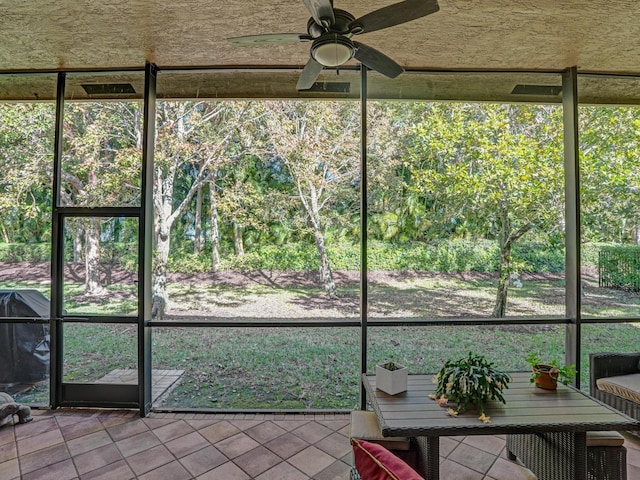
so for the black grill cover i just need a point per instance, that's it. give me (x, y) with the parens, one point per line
(24, 347)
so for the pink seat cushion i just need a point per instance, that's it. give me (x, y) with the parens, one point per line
(374, 462)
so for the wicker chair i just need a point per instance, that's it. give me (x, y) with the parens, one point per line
(606, 455)
(602, 365)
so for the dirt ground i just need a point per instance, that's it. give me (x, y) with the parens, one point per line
(286, 294)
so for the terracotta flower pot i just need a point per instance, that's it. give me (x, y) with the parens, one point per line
(548, 378)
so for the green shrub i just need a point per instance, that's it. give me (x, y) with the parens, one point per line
(189, 263)
(538, 258)
(25, 252)
(619, 267)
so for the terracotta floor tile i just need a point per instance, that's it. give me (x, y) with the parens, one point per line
(170, 471)
(187, 444)
(311, 460)
(203, 460)
(336, 445)
(80, 429)
(256, 461)
(264, 431)
(201, 423)
(312, 432)
(263, 446)
(64, 470)
(226, 471)
(42, 458)
(173, 430)
(89, 442)
(39, 441)
(119, 470)
(453, 470)
(246, 423)
(507, 470)
(127, 429)
(219, 431)
(283, 471)
(287, 445)
(447, 445)
(8, 452)
(10, 470)
(336, 425)
(154, 422)
(151, 459)
(110, 421)
(97, 458)
(336, 471)
(7, 435)
(137, 443)
(236, 445)
(472, 458)
(488, 443)
(38, 426)
(290, 424)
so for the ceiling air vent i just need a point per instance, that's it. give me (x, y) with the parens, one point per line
(330, 87)
(545, 90)
(108, 88)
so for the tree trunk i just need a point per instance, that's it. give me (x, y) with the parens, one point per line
(215, 229)
(325, 266)
(77, 242)
(5, 234)
(197, 227)
(92, 257)
(237, 239)
(506, 241)
(500, 308)
(160, 296)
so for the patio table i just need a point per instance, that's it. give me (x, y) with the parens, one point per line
(562, 416)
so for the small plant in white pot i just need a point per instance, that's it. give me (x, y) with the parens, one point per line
(391, 377)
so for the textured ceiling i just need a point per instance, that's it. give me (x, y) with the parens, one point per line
(469, 35)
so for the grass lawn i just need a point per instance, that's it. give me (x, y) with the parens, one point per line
(318, 368)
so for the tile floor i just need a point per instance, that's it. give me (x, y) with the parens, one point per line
(100, 444)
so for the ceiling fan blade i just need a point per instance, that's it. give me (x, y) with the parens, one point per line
(377, 60)
(309, 75)
(268, 39)
(392, 15)
(321, 11)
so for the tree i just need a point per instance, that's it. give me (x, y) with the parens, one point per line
(610, 173)
(200, 134)
(101, 166)
(317, 144)
(26, 163)
(496, 168)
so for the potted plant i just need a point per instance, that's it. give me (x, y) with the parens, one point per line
(547, 375)
(391, 377)
(469, 383)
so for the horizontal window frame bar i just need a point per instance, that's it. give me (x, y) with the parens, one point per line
(265, 323)
(98, 211)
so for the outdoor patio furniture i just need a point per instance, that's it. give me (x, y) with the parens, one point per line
(615, 380)
(562, 417)
(365, 426)
(543, 452)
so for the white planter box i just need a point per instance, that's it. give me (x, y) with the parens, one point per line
(391, 381)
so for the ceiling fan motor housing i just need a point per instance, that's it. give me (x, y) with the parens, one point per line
(341, 25)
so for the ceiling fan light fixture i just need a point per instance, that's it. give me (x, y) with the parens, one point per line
(332, 50)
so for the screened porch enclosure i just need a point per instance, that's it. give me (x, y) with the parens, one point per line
(259, 254)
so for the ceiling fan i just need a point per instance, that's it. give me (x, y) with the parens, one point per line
(331, 29)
